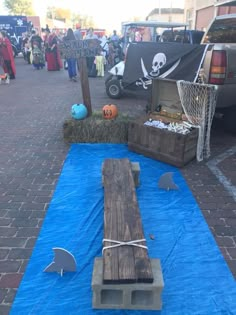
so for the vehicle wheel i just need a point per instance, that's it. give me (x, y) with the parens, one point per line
(113, 89)
(108, 78)
(229, 120)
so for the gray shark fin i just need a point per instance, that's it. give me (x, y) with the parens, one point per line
(63, 261)
(166, 182)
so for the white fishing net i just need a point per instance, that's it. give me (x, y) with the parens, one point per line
(199, 102)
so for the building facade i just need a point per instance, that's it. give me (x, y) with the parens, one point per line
(167, 15)
(199, 13)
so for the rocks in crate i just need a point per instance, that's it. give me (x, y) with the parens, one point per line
(178, 127)
(156, 123)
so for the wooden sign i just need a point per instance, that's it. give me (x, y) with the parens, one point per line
(79, 48)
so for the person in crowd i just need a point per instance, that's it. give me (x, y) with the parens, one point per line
(37, 57)
(26, 47)
(71, 62)
(105, 47)
(111, 55)
(90, 34)
(146, 34)
(52, 54)
(114, 36)
(100, 62)
(77, 32)
(90, 60)
(6, 55)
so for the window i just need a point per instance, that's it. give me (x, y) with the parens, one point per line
(222, 31)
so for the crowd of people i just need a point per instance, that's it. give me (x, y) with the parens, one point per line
(42, 51)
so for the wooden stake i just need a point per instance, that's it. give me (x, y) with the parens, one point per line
(85, 84)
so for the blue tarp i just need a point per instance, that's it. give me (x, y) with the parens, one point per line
(197, 278)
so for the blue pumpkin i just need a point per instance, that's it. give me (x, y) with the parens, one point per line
(79, 111)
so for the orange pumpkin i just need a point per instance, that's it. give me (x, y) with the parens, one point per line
(110, 111)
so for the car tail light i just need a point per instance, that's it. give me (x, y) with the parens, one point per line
(218, 67)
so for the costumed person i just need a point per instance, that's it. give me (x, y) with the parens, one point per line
(90, 60)
(104, 47)
(26, 47)
(100, 62)
(111, 55)
(146, 34)
(90, 34)
(38, 60)
(71, 62)
(52, 54)
(114, 37)
(6, 55)
(77, 32)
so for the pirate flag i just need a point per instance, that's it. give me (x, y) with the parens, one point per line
(148, 61)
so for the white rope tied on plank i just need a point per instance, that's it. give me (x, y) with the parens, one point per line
(118, 244)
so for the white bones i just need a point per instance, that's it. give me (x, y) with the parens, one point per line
(158, 62)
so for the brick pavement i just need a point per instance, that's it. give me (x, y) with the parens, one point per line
(33, 109)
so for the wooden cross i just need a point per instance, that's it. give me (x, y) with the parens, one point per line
(80, 49)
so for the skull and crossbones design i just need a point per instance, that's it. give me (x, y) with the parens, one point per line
(158, 62)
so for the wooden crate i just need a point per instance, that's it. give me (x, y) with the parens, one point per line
(161, 144)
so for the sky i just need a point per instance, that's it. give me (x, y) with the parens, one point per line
(105, 13)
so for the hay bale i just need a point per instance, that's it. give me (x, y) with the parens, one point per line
(95, 129)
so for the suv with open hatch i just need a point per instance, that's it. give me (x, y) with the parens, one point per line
(219, 66)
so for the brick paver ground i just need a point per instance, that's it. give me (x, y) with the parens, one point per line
(32, 152)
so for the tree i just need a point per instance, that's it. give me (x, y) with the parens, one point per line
(58, 13)
(84, 20)
(61, 14)
(19, 7)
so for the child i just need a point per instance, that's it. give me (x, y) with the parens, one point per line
(37, 58)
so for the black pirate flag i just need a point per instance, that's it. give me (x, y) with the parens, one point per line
(176, 61)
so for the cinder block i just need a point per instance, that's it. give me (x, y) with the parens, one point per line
(135, 296)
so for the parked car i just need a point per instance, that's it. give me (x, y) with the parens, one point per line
(219, 66)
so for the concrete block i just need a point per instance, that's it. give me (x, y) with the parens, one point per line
(135, 296)
(135, 168)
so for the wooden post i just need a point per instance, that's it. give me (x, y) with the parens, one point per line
(85, 84)
(81, 49)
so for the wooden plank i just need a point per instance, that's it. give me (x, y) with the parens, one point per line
(126, 253)
(85, 84)
(110, 256)
(122, 222)
(143, 267)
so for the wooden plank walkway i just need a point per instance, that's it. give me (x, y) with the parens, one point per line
(122, 222)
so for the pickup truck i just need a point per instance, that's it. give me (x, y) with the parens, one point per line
(219, 66)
